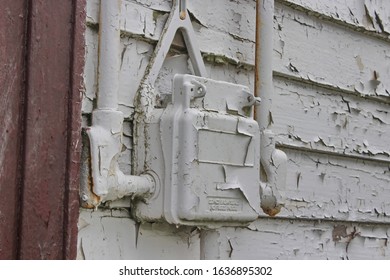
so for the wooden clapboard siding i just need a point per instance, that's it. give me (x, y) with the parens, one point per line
(331, 115)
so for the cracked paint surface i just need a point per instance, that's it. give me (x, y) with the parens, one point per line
(298, 239)
(330, 121)
(298, 37)
(111, 234)
(331, 115)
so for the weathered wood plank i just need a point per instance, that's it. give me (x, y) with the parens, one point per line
(314, 50)
(12, 51)
(76, 90)
(329, 121)
(364, 14)
(52, 134)
(298, 239)
(111, 234)
(321, 186)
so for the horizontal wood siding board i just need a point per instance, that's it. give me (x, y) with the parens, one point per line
(330, 121)
(298, 239)
(328, 187)
(364, 15)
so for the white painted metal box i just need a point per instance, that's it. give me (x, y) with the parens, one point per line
(203, 150)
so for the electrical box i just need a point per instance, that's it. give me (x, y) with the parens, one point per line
(203, 150)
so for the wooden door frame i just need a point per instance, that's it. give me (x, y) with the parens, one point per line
(43, 177)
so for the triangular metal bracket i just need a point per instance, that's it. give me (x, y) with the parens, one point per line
(147, 98)
(178, 20)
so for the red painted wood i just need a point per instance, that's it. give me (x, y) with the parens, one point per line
(74, 126)
(48, 204)
(12, 37)
(42, 59)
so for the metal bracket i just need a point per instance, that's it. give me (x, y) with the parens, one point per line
(146, 98)
(177, 20)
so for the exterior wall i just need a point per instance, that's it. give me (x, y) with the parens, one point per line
(330, 115)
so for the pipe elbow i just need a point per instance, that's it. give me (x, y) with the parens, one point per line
(269, 202)
(274, 163)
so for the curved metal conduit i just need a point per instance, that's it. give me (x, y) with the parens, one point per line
(101, 178)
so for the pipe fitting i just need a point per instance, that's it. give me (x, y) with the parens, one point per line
(274, 163)
(102, 180)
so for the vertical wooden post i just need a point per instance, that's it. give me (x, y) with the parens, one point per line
(12, 95)
(49, 136)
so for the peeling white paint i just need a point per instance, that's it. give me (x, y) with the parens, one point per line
(321, 186)
(311, 117)
(299, 239)
(334, 48)
(298, 37)
(112, 234)
(330, 114)
(365, 14)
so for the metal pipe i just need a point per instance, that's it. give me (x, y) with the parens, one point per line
(109, 54)
(140, 186)
(273, 161)
(263, 61)
(183, 9)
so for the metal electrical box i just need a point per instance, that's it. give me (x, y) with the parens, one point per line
(204, 152)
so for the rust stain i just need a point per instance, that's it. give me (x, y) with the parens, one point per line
(342, 233)
(339, 232)
(272, 212)
(257, 54)
(88, 199)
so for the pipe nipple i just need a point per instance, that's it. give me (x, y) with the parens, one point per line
(183, 9)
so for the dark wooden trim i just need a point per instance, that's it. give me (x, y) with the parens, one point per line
(42, 59)
(53, 122)
(13, 15)
(74, 126)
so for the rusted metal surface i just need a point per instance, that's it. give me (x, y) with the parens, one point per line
(88, 199)
(42, 59)
(12, 36)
